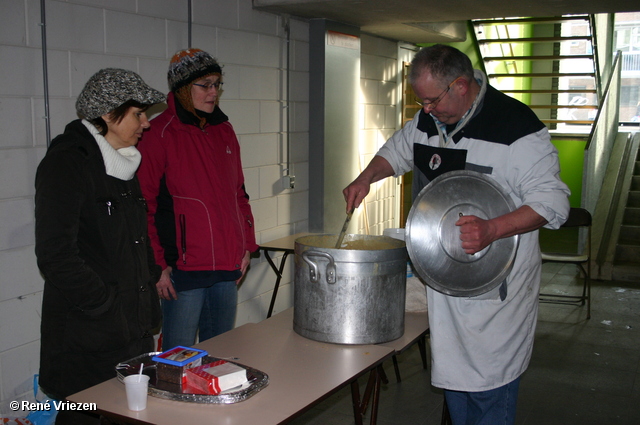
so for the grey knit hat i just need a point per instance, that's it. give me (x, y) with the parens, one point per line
(111, 87)
(188, 65)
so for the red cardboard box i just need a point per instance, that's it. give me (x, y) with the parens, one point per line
(216, 377)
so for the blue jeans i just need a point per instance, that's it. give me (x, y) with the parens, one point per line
(211, 311)
(493, 407)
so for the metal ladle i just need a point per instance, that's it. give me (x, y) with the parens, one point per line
(344, 229)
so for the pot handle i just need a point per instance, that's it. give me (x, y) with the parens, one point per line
(314, 274)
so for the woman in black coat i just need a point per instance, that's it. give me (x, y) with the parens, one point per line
(100, 305)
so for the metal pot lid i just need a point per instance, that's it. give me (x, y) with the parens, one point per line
(433, 239)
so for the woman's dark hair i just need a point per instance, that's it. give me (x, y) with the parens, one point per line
(117, 115)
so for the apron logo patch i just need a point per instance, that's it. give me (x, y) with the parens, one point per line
(435, 161)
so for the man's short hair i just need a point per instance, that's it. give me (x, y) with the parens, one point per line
(443, 62)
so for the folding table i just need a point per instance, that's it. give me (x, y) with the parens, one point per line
(286, 245)
(302, 372)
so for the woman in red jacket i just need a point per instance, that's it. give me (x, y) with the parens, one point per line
(200, 221)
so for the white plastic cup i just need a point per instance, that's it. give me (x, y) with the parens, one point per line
(136, 387)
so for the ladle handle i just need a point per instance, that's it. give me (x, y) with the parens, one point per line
(344, 229)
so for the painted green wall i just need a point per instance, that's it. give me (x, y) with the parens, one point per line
(571, 156)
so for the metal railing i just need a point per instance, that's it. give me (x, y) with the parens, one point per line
(631, 62)
(597, 156)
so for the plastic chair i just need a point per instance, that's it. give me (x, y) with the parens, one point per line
(578, 217)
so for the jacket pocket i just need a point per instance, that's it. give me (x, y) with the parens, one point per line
(194, 233)
(105, 332)
(150, 310)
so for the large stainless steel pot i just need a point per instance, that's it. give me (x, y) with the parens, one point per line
(352, 295)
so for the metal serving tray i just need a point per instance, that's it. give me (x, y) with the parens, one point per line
(257, 381)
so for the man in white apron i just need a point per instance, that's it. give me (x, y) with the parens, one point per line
(480, 345)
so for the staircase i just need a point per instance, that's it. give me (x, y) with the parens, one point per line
(627, 257)
(547, 63)
(550, 65)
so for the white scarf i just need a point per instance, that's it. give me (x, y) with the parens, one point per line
(119, 163)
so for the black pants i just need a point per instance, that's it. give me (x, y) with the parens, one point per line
(72, 417)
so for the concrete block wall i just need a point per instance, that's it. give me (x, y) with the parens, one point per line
(380, 112)
(84, 36)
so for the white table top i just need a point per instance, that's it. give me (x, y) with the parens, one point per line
(301, 372)
(286, 243)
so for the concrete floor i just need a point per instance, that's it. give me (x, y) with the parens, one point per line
(583, 372)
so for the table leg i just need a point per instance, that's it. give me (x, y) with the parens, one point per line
(278, 271)
(355, 401)
(360, 405)
(376, 396)
(422, 345)
(368, 390)
(396, 369)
